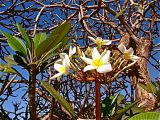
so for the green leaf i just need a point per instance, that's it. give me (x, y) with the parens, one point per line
(20, 60)
(39, 37)
(59, 98)
(51, 53)
(106, 106)
(7, 68)
(120, 13)
(144, 87)
(64, 41)
(56, 36)
(149, 87)
(24, 35)
(9, 59)
(123, 111)
(152, 87)
(114, 100)
(16, 44)
(146, 116)
(120, 98)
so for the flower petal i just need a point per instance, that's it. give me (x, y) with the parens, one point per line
(86, 60)
(129, 51)
(56, 75)
(91, 38)
(106, 56)
(122, 48)
(89, 67)
(135, 58)
(72, 51)
(99, 40)
(65, 59)
(95, 54)
(106, 42)
(59, 61)
(58, 67)
(104, 68)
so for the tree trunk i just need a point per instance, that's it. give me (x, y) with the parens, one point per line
(32, 89)
(140, 72)
(141, 75)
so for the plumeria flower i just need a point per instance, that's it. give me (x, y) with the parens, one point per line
(62, 66)
(98, 62)
(99, 41)
(88, 51)
(72, 51)
(128, 54)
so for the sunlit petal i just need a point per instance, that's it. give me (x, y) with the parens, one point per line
(106, 56)
(72, 51)
(91, 38)
(104, 68)
(106, 42)
(86, 60)
(56, 75)
(89, 67)
(135, 58)
(122, 48)
(95, 54)
(99, 39)
(129, 51)
(65, 59)
(103, 53)
(62, 55)
(58, 67)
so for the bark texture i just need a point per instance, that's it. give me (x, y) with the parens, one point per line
(147, 100)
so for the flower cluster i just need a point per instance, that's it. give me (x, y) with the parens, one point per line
(93, 59)
(63, 64)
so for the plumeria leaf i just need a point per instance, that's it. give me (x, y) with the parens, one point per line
(7, 68)
(64, 41)
(146, 116)
(50, 54)
(59, 98)
(120, 98)
(149, 87)
(123, 111)
(39, 38)
(24, 35)
(20, 60)
(10, 60)
(56, 36)
(16, 44)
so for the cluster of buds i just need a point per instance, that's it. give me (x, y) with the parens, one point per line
(94, 63)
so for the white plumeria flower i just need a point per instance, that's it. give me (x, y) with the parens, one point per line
(72, 51)
(98, 62)
(99, 41)
(128, 54)
(62, 66)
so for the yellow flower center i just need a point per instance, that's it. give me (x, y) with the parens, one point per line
(97, 62)
(98, 42)
(63, 69)
(127, 56)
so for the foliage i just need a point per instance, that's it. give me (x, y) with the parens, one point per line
(146, 116)
(59, 98)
